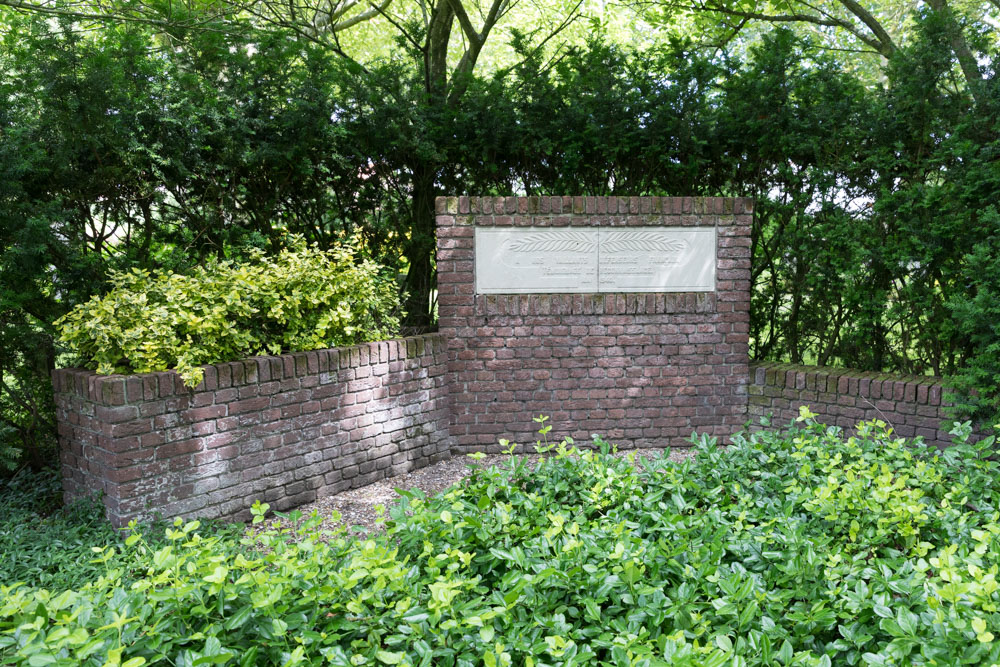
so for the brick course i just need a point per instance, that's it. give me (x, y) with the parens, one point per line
(284, 429)
(642, 369)
(914, 405)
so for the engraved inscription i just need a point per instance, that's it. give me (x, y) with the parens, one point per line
(657, 260)
(587, 259)
(557, 241)
(644, 241)
(512, 261)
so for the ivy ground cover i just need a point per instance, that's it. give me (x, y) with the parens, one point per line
(794, 547)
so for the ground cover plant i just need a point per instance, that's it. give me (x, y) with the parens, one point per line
(48, 545)
(41, 541)
(793, 547)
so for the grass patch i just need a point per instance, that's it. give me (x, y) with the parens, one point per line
(799, 547)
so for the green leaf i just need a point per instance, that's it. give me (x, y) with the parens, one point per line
(237, 620)
(907, 620)
(785, 653)
(390, 658)
(882, 611)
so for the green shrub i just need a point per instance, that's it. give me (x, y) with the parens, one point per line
(302, 299)
(10, 449)
(795, 548)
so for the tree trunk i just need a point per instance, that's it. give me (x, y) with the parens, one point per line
(419, 251)
(960, 47)
(436, 54)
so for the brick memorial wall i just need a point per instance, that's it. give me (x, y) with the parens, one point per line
(624, 316)
(913, 405)
(284, 429)
(627, 317)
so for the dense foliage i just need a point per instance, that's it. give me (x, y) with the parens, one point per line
(50, 545)
(43, 542)
(303, 298)
(129, 147)
(800, 547)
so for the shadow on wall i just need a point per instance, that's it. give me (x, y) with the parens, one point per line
(912, 404)
(283, 429)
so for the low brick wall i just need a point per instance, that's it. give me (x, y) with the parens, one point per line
(913, 405)
(283, 429)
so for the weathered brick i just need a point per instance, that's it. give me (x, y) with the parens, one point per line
(604, 347)
(903, 401)
(249, 405)
(116, 414)
(204, 413)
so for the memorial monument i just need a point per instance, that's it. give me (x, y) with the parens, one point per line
(622, 316)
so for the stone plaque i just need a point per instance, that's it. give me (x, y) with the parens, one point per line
(656, 259)
(588, 259)
(531, 259)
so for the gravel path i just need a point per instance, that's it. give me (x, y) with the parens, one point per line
(357, 506)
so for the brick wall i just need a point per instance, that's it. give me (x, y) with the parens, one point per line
(913, 405)
(283, 429)
(642, 369)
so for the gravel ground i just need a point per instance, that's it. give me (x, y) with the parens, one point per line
(357, 506)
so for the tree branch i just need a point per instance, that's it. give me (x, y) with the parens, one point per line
(460, 76)
(572, 16)
(497, 9)
(362, 17)
(829, 21)
(960, 47)
(463, 20)
(59, 12)
(865, 17)
(380, 9)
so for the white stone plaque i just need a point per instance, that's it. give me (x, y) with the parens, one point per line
(532, 259)
(588, 259)
(656, 259)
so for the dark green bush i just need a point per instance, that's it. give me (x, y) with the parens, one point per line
(795, 548)
(977, 313)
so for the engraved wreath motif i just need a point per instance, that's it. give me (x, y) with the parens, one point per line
(643, 242)
(553, 242)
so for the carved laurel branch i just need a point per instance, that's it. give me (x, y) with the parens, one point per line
(553, 242)
(643, 242)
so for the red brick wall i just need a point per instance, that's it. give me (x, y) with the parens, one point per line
(280, 429)
(913, 405)
(641, 369)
